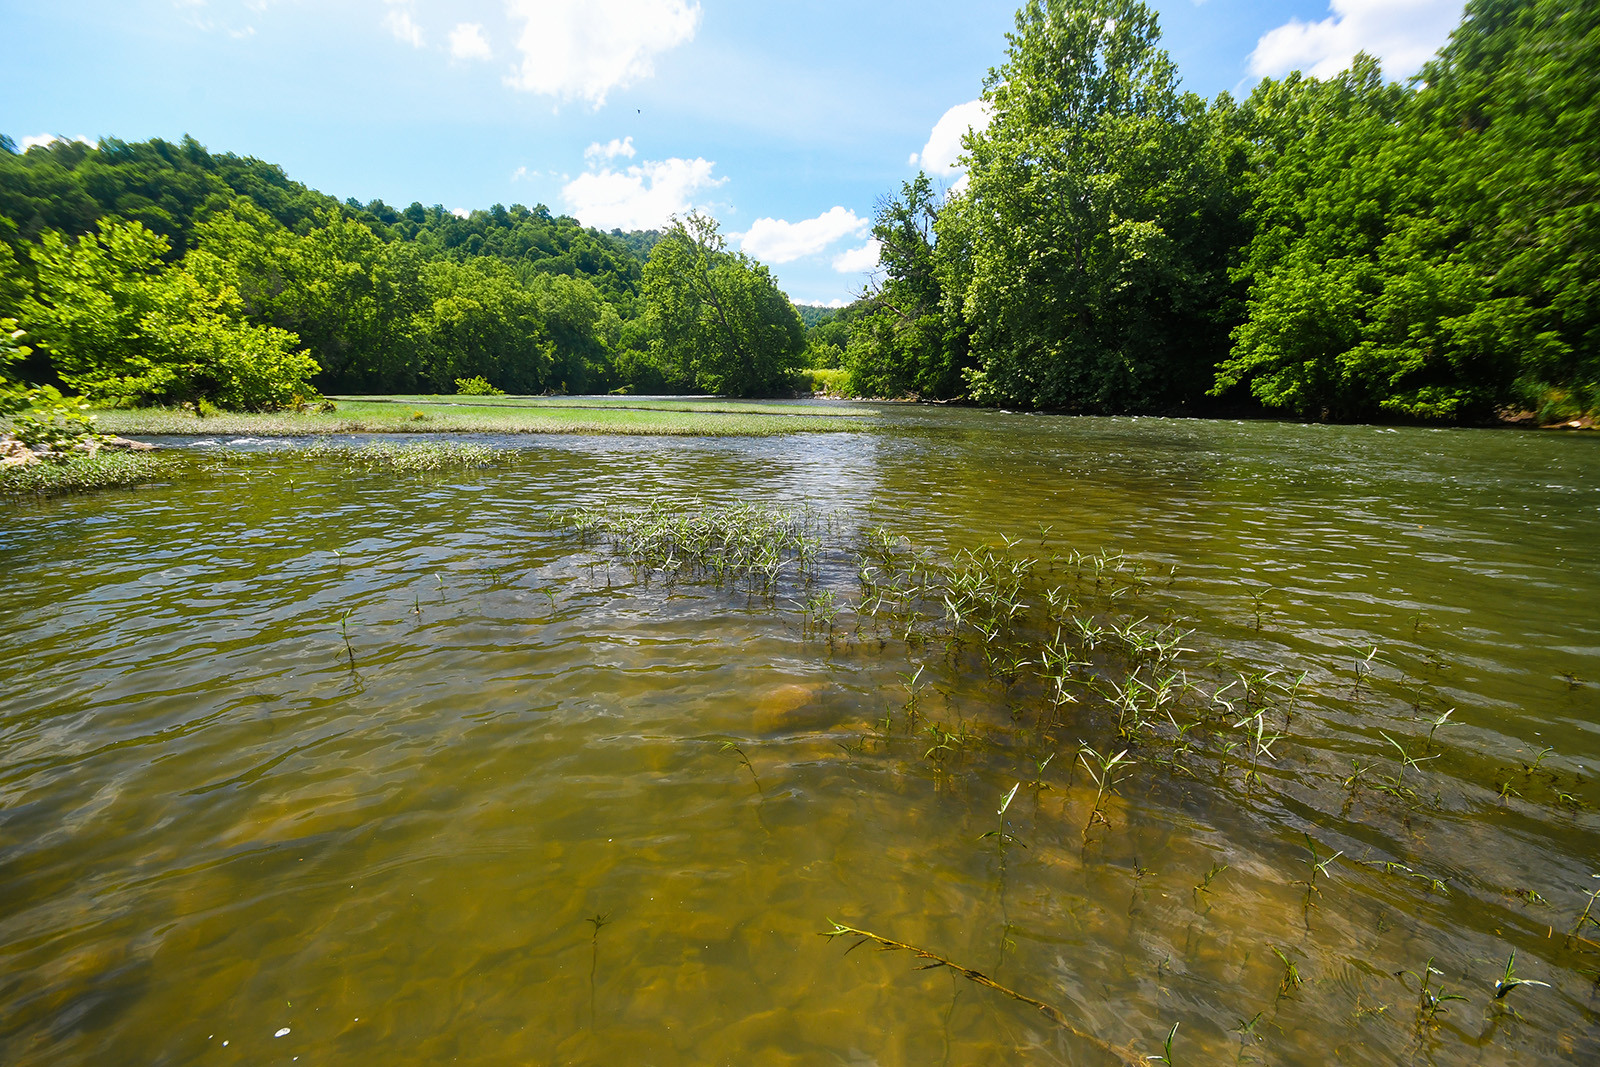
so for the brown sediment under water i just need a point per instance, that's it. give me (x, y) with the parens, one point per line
(536, 763)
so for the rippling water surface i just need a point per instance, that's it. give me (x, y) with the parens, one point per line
(388, 765)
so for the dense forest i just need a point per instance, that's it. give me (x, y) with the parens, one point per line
(1347, 249)
(1350, 248)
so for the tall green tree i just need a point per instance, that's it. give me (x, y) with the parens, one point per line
(1429, 251)
(121, 326)
(908, 336)
(1099, 219)
(721, 323)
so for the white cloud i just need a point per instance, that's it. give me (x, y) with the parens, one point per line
(863, 260)
(1403, 34)
(522, 174)
(641, 197)
(461, 213)
(611, 150)
(778, 241)
(467, 42)
(399, 23)
(942, 152)
(582, 49)
(47, 139)
(834, 303)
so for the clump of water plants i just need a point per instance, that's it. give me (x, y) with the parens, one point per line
(415, 457)
(751, 544)
(83, 472)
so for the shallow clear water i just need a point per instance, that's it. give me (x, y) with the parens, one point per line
(504, 824)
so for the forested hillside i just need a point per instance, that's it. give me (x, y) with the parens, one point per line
(160, 272)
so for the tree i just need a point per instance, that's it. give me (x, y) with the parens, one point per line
(721, 323)
(121, 326)
(908, 337)
(1100, 219)
(1429, 252)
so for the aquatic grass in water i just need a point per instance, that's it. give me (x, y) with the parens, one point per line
(84, 473)
(412, 457)
(1059, 637)
(749, 543)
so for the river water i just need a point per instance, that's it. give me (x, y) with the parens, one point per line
(303, 764)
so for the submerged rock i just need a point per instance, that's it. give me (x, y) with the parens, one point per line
(789, 708)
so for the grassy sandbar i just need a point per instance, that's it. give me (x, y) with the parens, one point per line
(498, 415)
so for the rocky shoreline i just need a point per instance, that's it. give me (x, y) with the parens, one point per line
(14, 453)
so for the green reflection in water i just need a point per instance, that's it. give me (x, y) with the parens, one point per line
(219, 821)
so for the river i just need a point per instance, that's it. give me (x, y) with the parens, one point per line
(306, 764)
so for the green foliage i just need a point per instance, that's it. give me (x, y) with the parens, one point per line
(479, 386)
(122, 327)
(721, 323)
(826, 381)
(908, 338)
(383, 299)
(1099, 219)
(13, 394)
(1345, 249)
(812, 316)
(52, 421)
(1428, 252)
(40, 418)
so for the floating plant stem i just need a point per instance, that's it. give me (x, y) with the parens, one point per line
(1258, 606)
(744, 759)
(1431, 999)
(344, 632)
(1106, 772)
(1202, 888)
(1317, 866)
(1127, 1056)
(597, 921)
(1001, 835)
(1584, 917)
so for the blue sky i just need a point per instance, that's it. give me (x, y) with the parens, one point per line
(787, 121)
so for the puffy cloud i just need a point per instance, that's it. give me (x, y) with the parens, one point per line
(398, 22)
(942, 152)
(582, 49)
(1403, 34)
(778, 241)
(461, 213)
(611, 150)
(467, 42)
(641, 197)
(863, 260)
(834, 303)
